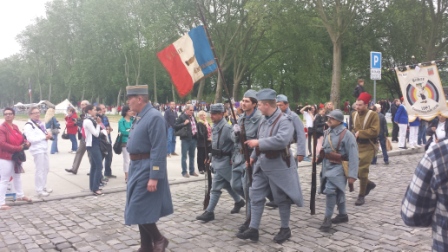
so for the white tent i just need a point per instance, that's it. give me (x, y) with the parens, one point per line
(62, 107)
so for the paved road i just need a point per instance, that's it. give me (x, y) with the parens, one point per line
(68, 185)
(96, 223)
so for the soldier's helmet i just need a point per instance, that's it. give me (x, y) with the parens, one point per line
(337, 115)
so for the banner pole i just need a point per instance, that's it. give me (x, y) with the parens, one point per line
(216, 59)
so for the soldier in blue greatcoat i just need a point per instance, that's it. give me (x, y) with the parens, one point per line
(334, 176)
(222, 149)
(274, 168)
(247, 128)
(148, 195)
(299, 146)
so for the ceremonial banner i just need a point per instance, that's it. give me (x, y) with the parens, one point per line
(422, 92)
(188, 60)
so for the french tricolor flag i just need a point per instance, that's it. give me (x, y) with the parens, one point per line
(188, 60)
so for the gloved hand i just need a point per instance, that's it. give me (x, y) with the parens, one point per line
(236, 128)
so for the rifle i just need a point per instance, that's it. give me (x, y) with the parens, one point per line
(248, 179)
(208, 175)
(313, 176)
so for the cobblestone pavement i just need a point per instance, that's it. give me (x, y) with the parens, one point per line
(96, 223)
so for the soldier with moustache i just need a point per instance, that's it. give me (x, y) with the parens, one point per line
(148, 196)
(247, 128)
(366, 127)
(222, 149)
(334, 178)
(274, 168)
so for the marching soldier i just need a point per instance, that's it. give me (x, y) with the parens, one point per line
(299, 146)
(366, 127)
(248, 130)
(222, 148)
(338, 147)
(274, 168)
(148, 195)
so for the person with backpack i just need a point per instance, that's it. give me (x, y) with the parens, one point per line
(36, 133)
(91, 130)
(338, 147)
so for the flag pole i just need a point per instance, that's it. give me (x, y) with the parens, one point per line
(442, 61)
(216, 59)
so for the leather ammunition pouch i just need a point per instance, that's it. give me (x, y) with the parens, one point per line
(219, 153)
(336, 158)
(273, 154)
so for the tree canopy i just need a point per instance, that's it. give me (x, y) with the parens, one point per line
(312, 51)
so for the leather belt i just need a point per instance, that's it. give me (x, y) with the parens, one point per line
(363, 141)
(139, 156)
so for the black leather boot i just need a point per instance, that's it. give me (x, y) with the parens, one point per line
(250, 233)
(340, 218)
(370, 187)
(206, 216)
(243, 227)
(326, 225)
(283, 235)
(237, 207)
(360, 201)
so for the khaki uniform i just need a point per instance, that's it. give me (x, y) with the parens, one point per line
(368, 130)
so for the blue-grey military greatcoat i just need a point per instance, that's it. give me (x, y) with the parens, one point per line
(221, 140)
(273, 174)
(334, 173)
(148, 135)
(283, 180)
(251, 124)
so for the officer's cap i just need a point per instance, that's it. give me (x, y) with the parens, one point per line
(251, 94)
(217, 108)
(266, 94)
(337, 115)
(137, 90)
(282, 98)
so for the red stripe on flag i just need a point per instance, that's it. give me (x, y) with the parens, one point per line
(179, 74)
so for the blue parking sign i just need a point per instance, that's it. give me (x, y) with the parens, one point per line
(375, 60)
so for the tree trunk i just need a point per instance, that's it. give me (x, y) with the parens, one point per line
(83, 92)
(155, 84)
(336, 75)
(174, 93)
(201, 90)
(119, 98)
(219, 86)
(50, 82)
(126, 68)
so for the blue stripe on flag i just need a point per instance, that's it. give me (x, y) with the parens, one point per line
(202, 50)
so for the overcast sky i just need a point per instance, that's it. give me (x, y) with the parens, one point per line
(15, 15)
